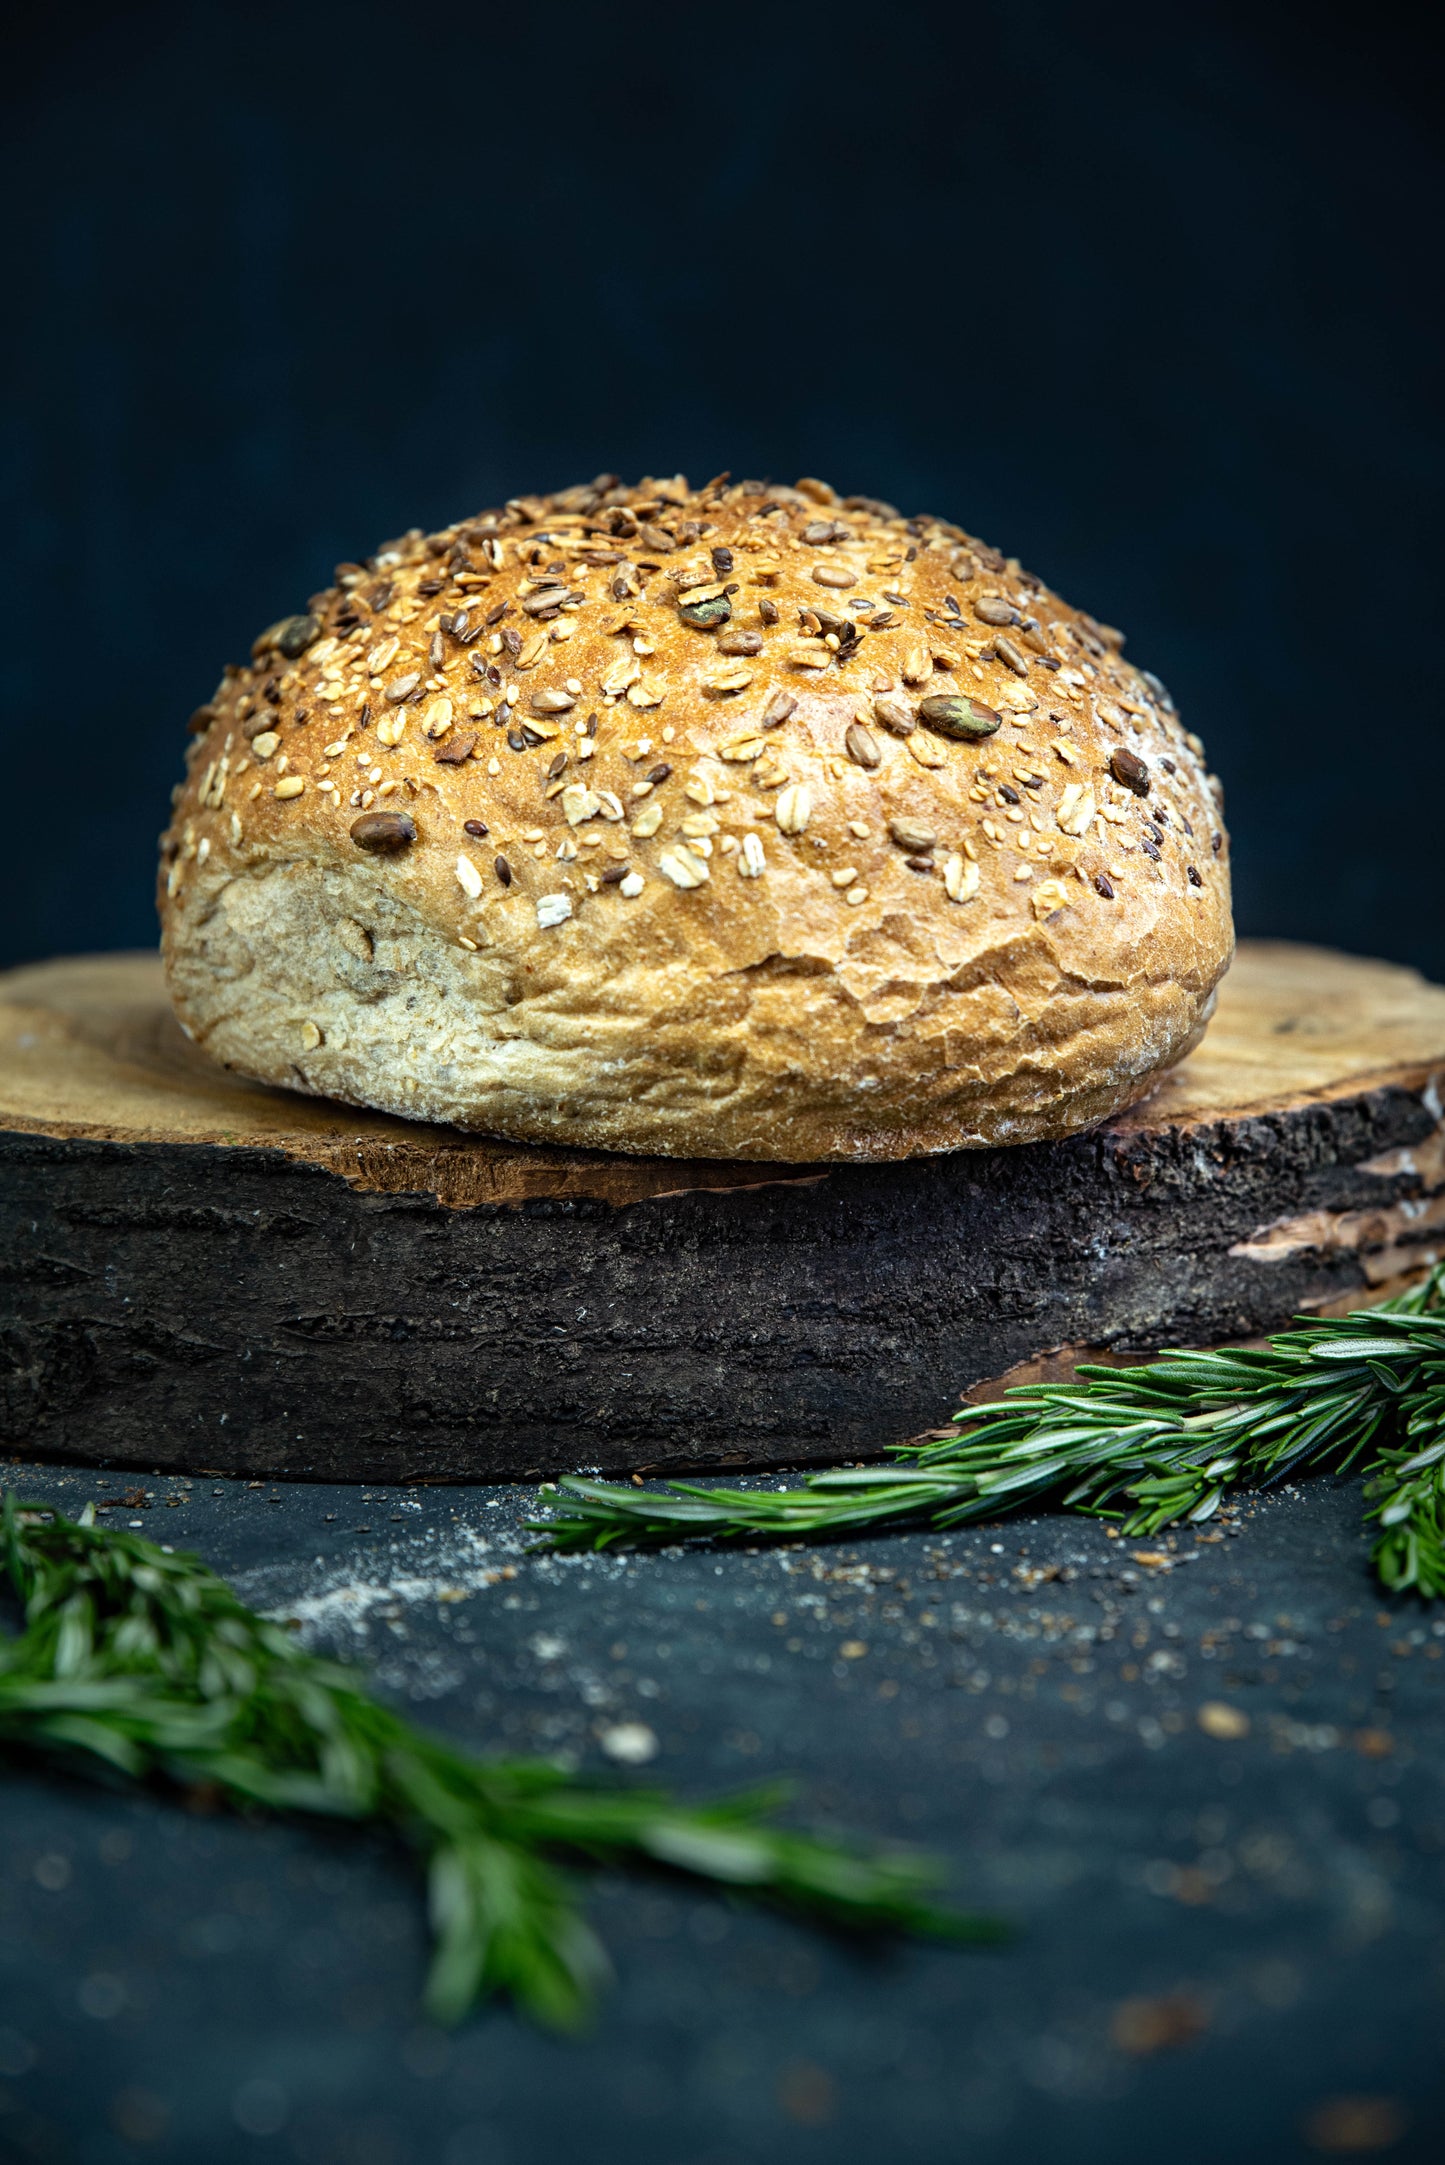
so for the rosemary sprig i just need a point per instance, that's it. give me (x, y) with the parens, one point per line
(1149, 1445)
(137, 1662)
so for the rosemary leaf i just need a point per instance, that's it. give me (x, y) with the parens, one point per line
(144, 1664)
(1149, 1446)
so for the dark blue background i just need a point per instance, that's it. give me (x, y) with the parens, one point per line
(1145, 295)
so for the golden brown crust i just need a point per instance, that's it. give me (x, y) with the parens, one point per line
(742, 822)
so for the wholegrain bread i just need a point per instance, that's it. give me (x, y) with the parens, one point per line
(743, 822)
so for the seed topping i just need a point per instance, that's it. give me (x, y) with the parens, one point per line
(862, 746)
(954, 714)
(1128, 768)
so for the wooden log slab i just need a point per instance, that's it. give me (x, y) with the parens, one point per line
(199, 1273)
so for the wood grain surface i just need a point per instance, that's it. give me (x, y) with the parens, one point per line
(199, 1271)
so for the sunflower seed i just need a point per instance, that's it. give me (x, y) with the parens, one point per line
(400, 689)
(553, 702)
(895, 716)
(293, 635)
(911, 837)
(740, 642)
(1009, 654)
(777, 710)
(862, 746)
(991, 610)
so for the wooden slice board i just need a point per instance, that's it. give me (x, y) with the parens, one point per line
(197, 1272)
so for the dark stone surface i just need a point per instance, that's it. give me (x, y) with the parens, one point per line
(232, 1307)
(176, 1988)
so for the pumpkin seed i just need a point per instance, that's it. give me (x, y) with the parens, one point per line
(706, 615)
(953, 714)
(991, 610)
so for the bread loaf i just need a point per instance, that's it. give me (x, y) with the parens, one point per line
(742, 822)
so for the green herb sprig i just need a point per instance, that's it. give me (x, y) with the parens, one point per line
(1148, 1446)
(144, 1664)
